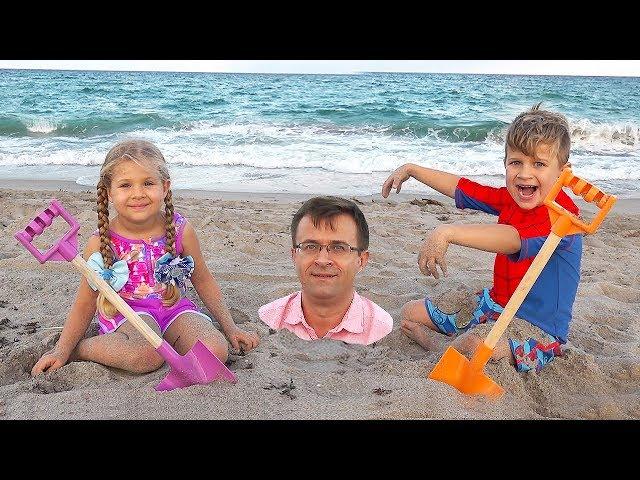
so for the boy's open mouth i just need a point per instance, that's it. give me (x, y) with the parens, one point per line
(527, 190)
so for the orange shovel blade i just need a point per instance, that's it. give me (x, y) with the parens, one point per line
(455, 370)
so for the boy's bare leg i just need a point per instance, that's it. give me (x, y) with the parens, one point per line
(416, 324)
(188, 328)
(125, 348)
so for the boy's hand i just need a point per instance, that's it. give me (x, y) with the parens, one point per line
(237, 336)
(395, 180)
(433, 251)
(50, 361)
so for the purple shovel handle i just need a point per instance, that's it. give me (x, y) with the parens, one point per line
(64, 249)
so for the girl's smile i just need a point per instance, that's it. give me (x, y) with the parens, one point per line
(137, 194)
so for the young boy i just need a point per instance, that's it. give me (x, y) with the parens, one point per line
(536, 150)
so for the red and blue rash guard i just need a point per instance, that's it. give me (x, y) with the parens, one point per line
(549, 302)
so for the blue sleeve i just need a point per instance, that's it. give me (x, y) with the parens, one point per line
(531, 246)
(465, 201)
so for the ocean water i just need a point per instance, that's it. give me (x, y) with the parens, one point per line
(327, 134)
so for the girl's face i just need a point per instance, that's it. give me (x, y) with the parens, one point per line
(137, 193)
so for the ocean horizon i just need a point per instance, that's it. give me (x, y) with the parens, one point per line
(338, 134)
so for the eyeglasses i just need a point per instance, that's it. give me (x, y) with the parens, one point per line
(312, 249)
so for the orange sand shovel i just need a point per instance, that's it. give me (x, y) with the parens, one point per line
(467, 375)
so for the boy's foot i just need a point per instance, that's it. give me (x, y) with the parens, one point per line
(466, 343)
(418, 333)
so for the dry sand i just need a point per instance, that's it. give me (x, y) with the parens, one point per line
(247, 241)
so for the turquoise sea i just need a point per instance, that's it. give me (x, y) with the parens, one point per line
(338, 134)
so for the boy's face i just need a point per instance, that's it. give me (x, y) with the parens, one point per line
(529, 179)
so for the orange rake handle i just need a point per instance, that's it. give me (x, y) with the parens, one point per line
(587, 191)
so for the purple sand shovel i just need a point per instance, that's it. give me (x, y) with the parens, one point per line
(198, 365)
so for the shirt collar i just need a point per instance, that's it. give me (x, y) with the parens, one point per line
(295, 315)
(353, 320)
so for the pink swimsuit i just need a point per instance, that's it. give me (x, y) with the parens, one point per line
(141, 291)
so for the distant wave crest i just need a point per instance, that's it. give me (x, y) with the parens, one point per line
(586, 132)
(12, 126)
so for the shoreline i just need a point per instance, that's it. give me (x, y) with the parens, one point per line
(629, 206)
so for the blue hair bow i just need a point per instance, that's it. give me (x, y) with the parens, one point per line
(176, 270)
(116, 276)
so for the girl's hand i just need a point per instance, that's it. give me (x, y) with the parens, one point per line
(433, 251)
(50, 361)
(238, 336)
(395, 180)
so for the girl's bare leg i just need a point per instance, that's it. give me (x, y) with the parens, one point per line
(125, 348)
(188, 328)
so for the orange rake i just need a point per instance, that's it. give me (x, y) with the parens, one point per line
(467, 375)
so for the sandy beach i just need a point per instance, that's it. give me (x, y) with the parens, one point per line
(246, 239)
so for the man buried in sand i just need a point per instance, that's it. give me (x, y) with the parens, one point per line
(536, 150)
(330, 240)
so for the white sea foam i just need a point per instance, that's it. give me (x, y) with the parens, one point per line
(41, 125)
(268, 153)
(605, 137)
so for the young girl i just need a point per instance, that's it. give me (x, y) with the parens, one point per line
(146, 252)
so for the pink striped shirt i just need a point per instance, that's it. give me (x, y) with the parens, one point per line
(364, 323)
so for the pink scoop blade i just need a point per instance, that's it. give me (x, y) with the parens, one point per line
(197, 366)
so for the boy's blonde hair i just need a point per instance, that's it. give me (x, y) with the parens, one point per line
(148, 156)
(535, 126)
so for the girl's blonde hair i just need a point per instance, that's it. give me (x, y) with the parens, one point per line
(536, 126)
(148, 156)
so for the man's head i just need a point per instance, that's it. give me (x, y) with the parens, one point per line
(329, 272)
(536, 150)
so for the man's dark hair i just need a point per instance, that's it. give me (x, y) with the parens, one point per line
(325, 209)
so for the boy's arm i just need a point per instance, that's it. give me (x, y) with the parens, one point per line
(76, 324)
(531, 246)
(490, 238)
(443, 182)
(496, 238)
(210, 293)
(491, 200)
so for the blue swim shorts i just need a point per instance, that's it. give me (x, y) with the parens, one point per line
(529, 354)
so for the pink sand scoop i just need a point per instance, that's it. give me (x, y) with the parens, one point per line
(198, 366)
